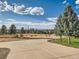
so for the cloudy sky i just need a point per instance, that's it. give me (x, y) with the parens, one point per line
(38, 14)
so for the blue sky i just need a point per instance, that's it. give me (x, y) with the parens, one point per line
(38, 14)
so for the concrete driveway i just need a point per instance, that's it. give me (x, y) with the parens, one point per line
(39, 49)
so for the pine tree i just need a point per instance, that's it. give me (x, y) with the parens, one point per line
(22, 30)
(12, 29)
(68, 24)
(3, 29)
(71, 22)
(59, 27)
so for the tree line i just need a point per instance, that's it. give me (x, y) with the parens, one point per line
(67, 24)
(13, 30)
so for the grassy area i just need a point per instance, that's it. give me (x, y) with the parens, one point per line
(74, 42)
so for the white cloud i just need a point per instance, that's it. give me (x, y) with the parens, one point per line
(37, 11)
(27, 10)
(36, 25)
(64, 2)
(29, 23)
(78, 16)
(77, 4)
(52, 19)
(21, 9)
(77, 1)
(2, 6)
(5, 7)
(10, 20)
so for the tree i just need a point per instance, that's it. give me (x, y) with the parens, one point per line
(68, 24)
(76, 31)
(59, 27)
(3, 29)
(12, 29)
(22, 30)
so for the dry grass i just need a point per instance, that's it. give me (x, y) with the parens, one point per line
(4, 38)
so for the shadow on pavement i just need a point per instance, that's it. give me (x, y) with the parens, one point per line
(4, 53)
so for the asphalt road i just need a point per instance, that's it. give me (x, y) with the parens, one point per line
(39, 49)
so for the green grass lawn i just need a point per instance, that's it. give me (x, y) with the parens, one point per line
(74, 42)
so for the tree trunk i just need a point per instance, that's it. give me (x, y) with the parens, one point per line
(61, 38)
(69, 40)
(75, 37)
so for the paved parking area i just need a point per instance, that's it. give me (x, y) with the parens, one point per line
(39, 49)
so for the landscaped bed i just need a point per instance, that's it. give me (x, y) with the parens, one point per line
(74, 42)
